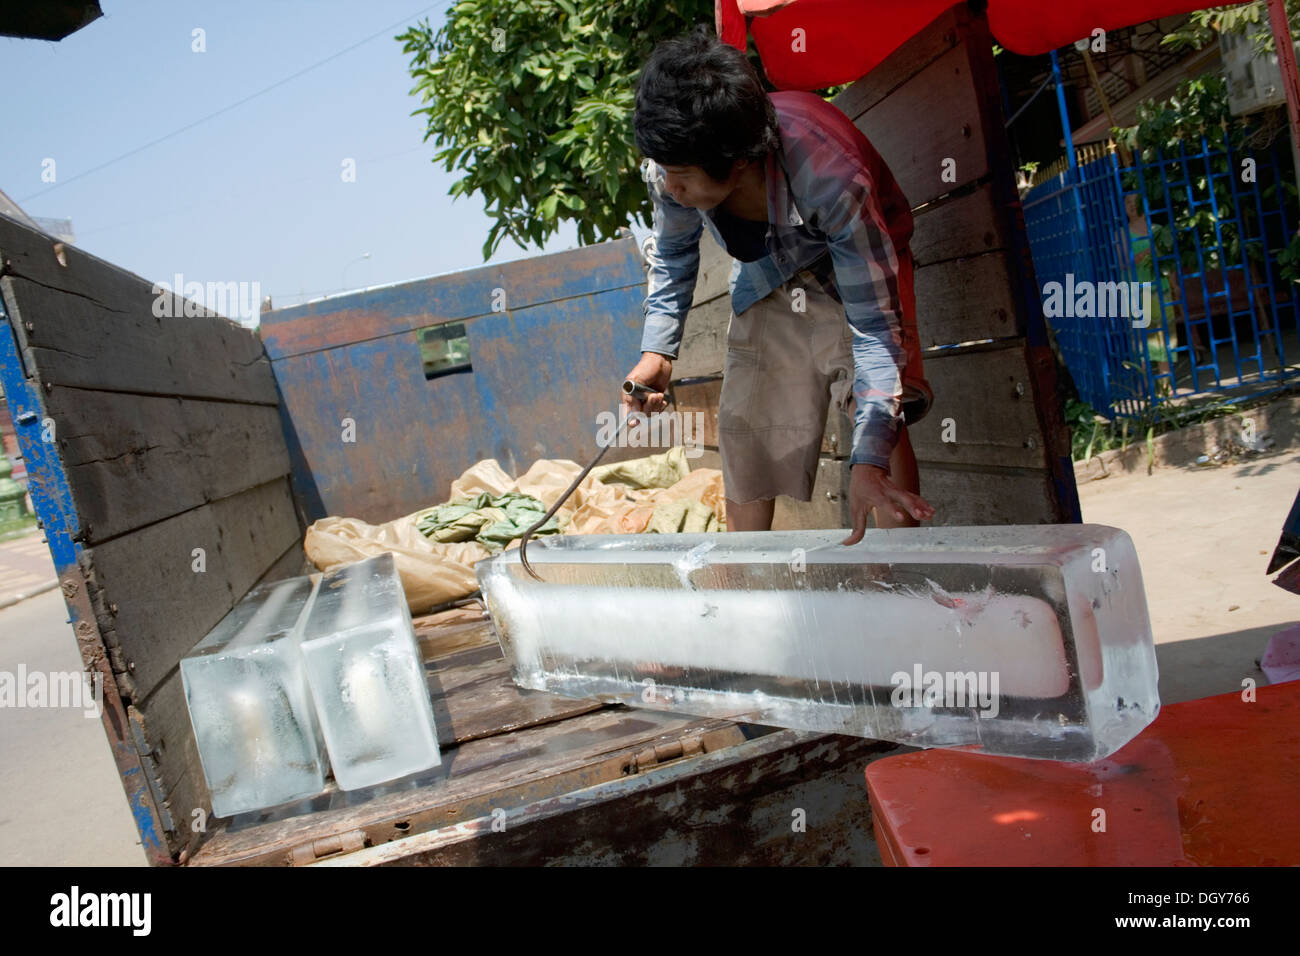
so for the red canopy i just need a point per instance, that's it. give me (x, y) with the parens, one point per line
(845, 39)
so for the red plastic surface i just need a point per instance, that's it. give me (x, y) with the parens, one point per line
(842, 40)
(1212, 782)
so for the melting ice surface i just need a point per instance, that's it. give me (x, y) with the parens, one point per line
(1023, 640)
(253, 720)
(296, 671)
(367, 677)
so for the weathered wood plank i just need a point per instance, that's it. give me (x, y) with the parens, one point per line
(474, 696)
(133, 459)
(932, 120)
(957, 227)
(152, 601)
(393, 310)
(90, 324)
(292, 564)
(965, 300)
(829, 507)
(985, 496)
(448, 632)
(165, 739)
(502, 771)
(984, 403)
(729, 808)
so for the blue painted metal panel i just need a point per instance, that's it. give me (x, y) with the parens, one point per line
(374, 313)
(540, 373)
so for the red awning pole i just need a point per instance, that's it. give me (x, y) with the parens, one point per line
(1286, 62)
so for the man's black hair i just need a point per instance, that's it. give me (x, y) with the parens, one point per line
(700, 103)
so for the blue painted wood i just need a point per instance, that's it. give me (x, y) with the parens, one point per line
(541, 373)
(48, 485)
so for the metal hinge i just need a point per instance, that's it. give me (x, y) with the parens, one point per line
(327, 846)
(662, 753)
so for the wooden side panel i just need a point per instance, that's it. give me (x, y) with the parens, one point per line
(172, 581)
(134, 459)
(829, 505)
(88, 324)
(966, 223)
(983, 412)
(964, 496)
(158, 437)
(929, 125)
(961, 301)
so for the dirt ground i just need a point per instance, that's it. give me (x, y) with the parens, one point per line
(1204, 536)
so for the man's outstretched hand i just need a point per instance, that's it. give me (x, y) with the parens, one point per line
(654, 371)
(869, 488)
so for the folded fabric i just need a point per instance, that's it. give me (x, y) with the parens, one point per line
(653, 471)
(682, 516)
(491, 520)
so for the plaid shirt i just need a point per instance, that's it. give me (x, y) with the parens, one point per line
(833, 208)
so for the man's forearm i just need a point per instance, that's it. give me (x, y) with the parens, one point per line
(878, 361)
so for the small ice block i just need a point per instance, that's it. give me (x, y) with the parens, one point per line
(367, 676)
(252, 713)
(1029, 641)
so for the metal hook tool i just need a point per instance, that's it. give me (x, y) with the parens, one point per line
(629, 387)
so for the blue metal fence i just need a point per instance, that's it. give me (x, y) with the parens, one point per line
(1199, 230)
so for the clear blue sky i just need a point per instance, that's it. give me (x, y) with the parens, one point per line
(254, 194)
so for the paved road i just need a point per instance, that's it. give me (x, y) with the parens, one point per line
(61, 801)
(1204, 537)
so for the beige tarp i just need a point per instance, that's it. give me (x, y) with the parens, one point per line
(433, 573)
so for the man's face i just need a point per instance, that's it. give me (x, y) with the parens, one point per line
(691, 186)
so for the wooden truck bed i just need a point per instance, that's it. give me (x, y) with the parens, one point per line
(532, 778)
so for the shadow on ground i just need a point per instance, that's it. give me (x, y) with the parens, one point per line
(1206, 666)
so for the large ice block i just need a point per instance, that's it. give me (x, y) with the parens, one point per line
(1028, 641)
(253, 720)
(367, 676)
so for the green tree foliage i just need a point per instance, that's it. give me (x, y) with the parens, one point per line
(1204, 26)
(532, 101)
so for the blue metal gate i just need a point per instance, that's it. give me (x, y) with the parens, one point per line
(1200, 229)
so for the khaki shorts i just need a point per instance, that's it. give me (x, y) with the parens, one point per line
(783, 370)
